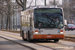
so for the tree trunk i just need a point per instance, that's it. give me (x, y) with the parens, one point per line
(7, 23)
(2, 23)
(8, 15)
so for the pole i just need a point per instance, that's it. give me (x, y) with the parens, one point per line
(45, 2)
(5, 21)
(24, 6)
(54, 2)
(35, 2)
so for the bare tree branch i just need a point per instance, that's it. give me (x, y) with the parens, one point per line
(3, 11)
(52, 3)
(22, 3)
(30, 3)
(19, 3)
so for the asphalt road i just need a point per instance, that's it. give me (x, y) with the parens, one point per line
(8, 45)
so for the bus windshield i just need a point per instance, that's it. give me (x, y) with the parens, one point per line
(48, 18)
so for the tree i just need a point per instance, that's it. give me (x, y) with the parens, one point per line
(2, 11)
(72, 7)
(52, 3)
(72, 10)
(7, 9)
(22, 3)
(69, 10)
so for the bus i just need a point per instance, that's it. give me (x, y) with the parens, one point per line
(42, 23)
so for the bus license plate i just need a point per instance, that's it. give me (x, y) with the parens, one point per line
(49, 36)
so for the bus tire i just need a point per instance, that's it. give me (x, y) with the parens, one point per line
(56, 40)
(23, 36)
(29, 37)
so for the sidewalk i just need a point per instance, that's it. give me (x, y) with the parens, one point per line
(14, 31)
(70, 36)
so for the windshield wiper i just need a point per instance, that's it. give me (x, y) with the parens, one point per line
(51, 20)
(59, 13)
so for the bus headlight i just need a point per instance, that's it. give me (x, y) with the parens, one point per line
(60, 31)
(36, 31)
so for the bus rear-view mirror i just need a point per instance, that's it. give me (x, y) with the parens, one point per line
(65, 22)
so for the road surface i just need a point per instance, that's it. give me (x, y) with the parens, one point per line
(8, 45)
(40, 45)
(70, 32)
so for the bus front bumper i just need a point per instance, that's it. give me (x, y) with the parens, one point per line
(61, 36)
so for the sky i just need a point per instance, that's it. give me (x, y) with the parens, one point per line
(41, 2)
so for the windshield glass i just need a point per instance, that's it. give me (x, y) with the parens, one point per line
(48, 18)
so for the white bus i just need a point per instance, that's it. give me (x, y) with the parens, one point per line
(42, 23)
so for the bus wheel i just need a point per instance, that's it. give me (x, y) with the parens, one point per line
(56, 40)
(29, 38)
(23, 36)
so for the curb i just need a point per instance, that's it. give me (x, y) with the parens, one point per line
(69, 36)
